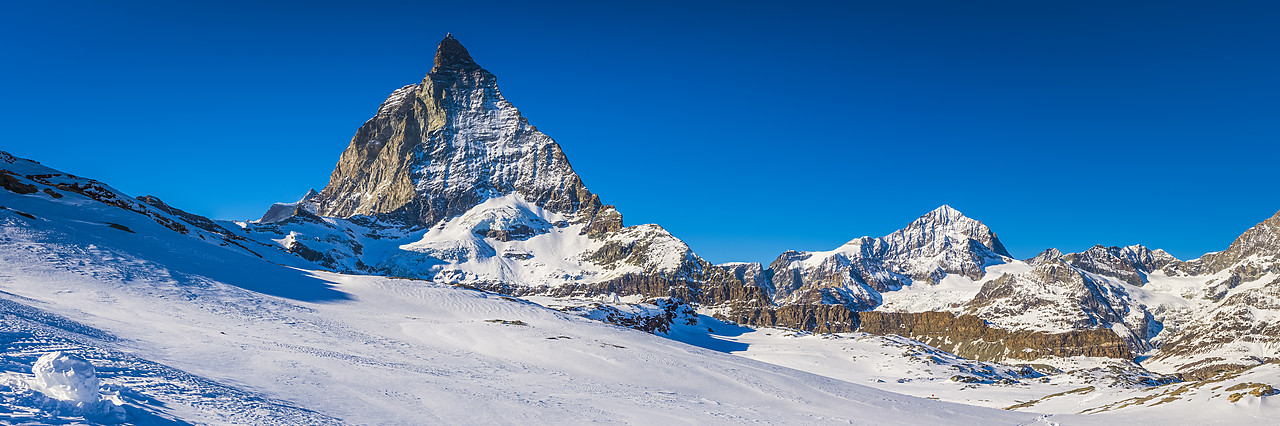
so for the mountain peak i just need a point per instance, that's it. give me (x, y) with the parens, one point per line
(946, 216)
(436, 149)
(451, 54)
(944, 220)
(945, 211)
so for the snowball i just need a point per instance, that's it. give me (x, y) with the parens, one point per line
(65, 377)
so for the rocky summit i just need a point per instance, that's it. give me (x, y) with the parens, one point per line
(440, 147)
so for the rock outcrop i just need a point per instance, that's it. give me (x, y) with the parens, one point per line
(1130, 264)
(831, 318)
(971, 337)
(964, 335)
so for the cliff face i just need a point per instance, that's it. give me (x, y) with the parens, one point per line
(964, 335)
(1261, 242)
(970, 337)
(1130, 264)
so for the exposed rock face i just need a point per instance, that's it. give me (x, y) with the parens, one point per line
(1047, 256)
(752, 274)
(193, 219)
(1262, 241)
(964, 335)
(15, 185)
(696, 282)
(1131, 264)
(815, 318)
(970, 337)
(438, 148)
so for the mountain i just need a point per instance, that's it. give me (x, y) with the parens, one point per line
(439, 148)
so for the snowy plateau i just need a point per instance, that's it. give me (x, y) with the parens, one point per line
(456, 270)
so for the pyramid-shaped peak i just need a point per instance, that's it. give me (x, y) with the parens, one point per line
(310, 194)
(451, 54)
(946, 210)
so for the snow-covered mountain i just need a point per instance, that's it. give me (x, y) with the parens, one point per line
(941, 243)
(441, 147)
(456, 264)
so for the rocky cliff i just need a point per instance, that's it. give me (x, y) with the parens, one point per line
(964, 335)
(971, 337)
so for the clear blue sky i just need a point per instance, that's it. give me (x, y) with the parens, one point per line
(743, 128)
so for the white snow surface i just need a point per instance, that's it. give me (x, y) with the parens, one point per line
(66, 377)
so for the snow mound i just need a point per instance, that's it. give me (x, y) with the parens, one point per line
(66, 378)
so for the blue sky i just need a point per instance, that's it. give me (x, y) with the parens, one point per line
(744, 128)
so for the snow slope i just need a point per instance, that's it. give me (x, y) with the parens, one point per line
(1109, 391)
(193, 331)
